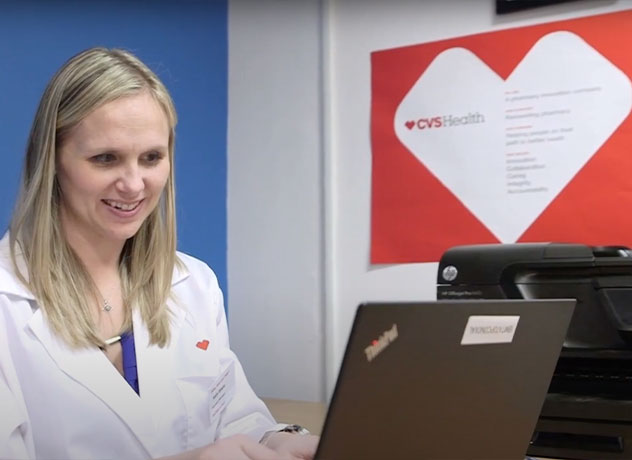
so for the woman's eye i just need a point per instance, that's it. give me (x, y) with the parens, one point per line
(103, 158)
(153, 157)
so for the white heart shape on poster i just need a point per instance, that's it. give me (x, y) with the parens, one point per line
(506, 148)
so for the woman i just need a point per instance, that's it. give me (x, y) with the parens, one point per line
(112, 345)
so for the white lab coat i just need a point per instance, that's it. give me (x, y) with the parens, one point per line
(61, 403)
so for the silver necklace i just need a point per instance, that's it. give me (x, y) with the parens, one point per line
(106, 305)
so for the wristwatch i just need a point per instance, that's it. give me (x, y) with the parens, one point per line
(297, 429)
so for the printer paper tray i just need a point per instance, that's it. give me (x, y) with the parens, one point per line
(582, 440)
(587, 407)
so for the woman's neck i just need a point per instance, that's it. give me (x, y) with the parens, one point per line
(98, 255)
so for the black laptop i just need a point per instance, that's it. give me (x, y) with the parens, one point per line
(444, 380)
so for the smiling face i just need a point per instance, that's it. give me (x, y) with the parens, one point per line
(112, 168)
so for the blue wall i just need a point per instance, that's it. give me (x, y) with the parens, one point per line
(183, 41)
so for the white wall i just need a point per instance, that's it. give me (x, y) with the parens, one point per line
(274, 196)
(307, 99)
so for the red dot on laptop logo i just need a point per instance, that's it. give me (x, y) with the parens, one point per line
(377, 345)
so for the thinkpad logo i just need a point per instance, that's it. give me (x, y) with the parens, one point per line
(378, 345)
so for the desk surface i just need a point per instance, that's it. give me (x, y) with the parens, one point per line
(311, 415)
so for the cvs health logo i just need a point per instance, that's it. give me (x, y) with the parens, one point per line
(423, 123)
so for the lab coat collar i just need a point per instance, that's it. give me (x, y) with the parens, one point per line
(9, 283)
(91, 368)
(180, 272)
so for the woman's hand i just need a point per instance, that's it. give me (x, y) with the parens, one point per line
(237, 447)
(297, 446)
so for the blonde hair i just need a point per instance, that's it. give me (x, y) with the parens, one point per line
(55, 275)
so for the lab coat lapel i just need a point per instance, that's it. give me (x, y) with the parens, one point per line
(91, 368)
(155, 365)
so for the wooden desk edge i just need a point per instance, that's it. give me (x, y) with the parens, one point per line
(310, 415)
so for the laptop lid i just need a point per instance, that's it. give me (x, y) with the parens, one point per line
(444, 380)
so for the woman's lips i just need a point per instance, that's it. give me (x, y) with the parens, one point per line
(122, 208)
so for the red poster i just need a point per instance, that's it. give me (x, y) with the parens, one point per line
(518, 135)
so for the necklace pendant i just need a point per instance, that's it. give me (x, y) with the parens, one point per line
(106, 306)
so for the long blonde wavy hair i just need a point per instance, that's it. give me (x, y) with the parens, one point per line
(54, 273)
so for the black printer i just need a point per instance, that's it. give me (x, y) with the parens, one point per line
(587, 413)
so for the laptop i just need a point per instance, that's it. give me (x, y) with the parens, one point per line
(444, 380)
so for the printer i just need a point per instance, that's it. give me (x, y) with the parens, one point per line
(587, 413)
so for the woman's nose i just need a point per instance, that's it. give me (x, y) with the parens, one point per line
(130, 181)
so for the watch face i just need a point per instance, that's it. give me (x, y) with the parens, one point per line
(294, 429)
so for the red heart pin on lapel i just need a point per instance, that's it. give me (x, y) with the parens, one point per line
(203, 344)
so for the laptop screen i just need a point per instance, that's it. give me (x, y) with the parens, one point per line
(444, 380)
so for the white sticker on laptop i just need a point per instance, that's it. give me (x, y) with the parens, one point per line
(489, 329)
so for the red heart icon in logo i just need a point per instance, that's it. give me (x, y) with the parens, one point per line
(409, 124)
(203, 344)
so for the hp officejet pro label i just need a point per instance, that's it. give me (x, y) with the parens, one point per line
(489, 329)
